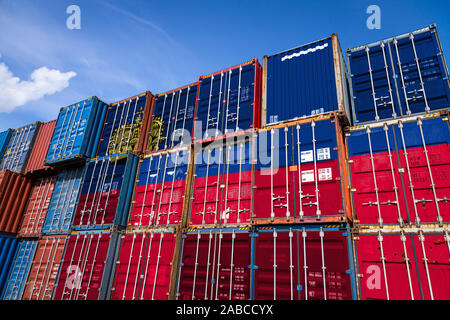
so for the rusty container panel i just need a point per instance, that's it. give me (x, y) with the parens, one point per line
(86, 268)
(144, 265)
(300, 173)
(44, 268)
(403, 266)
(215, 264)
(124, 124)
(37, 206)
(36, 161)
(302, 263)
(14, 192)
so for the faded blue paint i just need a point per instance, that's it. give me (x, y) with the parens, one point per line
(391, 86)
(19, 148)
(20, 269)
(63, 202)
(77, 131)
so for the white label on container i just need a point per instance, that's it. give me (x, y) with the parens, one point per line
(307, 156)
(308, 176)
(323, 154)
(325, 174)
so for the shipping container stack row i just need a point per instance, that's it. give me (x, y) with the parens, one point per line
(295, 180)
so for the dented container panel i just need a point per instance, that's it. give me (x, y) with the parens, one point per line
(38, 203)
(144, 266)
(172, 119)
(77, 132)
(44, 268)
(87, 265)
(413, 266)
(36, 161)
(8, 250)
(20, 269)
(63, 202)
(407, 179)
(229, 101)
(160, 189)
(19, 148)
(215, 265)
(123, 124)
(399, 76)
(106, 192)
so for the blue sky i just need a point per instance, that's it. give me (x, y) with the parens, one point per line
(126, 47)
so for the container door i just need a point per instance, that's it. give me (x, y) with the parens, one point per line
(181, 132)
(273, 179)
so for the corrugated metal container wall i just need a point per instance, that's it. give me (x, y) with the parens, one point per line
(123, 125)
(302, 263)
(403, 266)
(4, 139)
(400, 171)
(229, 101)
(399, 76)
(314, 147)
(8, 249)
(144, 265)
(77, 132)
(19, 148)
(160, 187)
(37, 207)
(20, 270)
(172, 119)
(215, 265)
(107, 188)
(305, 81)
(40, 147)
(86, 270)
(14, 192)
(44, 268)
(222, 184)
(63, 203)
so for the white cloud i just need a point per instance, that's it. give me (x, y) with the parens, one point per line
(43, 81)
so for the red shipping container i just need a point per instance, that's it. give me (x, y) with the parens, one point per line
(144, 267)
(86, 269)
(36, 211)
(400, 171)
(14, 191)
(222, 184)
(404, 265)
(44, 268)
(36, 160)
(159, 192)
(301, 264)
(215, 265)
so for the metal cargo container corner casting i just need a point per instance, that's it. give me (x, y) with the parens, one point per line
(399, 77)
(305, 81)
(77, 132)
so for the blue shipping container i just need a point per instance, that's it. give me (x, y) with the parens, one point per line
(172, 119)
(64, 201)
(106, 192)
(229, 101)
(4, 139)
(123, 124)
(77, 132)
(399, 76)
(8, 249)
(20, 269)
(305, 81)
(19, 148)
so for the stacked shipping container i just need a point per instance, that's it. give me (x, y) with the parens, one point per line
(241, 185)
